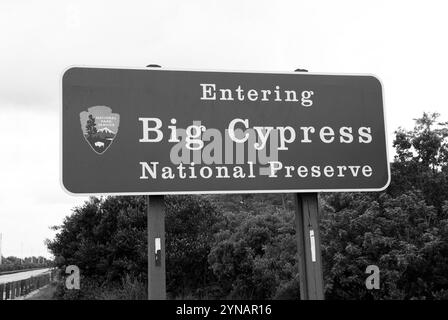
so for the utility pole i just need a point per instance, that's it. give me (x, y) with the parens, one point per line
(1, 235)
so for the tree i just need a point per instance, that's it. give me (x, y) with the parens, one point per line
(402, 230)
(421, 161)
(191, 222)
(91, 126)
(105, 238)
(243, 246)
(254, 252)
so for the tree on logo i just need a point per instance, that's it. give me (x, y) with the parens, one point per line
(91, 126)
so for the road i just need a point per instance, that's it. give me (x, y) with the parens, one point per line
(22, 275)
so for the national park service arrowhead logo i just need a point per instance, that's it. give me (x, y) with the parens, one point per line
(99, 127)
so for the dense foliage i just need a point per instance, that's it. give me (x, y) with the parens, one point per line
(243, 246)
(13, 263)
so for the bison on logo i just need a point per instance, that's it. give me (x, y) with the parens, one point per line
(99, 127)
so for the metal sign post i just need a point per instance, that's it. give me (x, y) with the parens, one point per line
(156, 243)
(156, 248)
(308, 245)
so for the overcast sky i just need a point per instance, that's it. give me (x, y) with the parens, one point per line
(402, 42)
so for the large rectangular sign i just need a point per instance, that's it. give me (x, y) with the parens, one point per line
(155, 131)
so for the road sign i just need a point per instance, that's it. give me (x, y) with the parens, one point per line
(140, 131)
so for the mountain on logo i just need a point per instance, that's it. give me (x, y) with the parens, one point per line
(106, 130)
(96, 124)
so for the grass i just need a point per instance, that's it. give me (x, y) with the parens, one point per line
(45, 293)
(126, 289)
